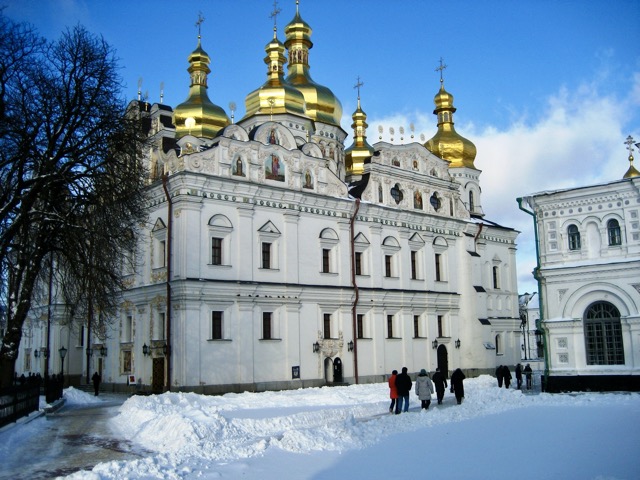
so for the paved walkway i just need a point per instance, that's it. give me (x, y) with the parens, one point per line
(77, 437)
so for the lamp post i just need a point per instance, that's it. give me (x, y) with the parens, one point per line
(63, 353)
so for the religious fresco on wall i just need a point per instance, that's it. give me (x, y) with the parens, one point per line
(308, 180)
(238, 168)
(273, 169)
(417, 200)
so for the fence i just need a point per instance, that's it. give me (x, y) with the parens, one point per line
(17, 402)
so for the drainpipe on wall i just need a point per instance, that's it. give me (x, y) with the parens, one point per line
(354, 310)
(540, 295)
(165, 179)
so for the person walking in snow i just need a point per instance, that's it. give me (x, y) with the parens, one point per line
(403, 385)
(424, 388)
(393, 391)
(499, 375)
(96, 383)
(507, 376)
(457, 385)
(440, 383)
(519, 376)
(527, 374)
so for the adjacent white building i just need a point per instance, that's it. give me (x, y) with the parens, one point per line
(588, 241)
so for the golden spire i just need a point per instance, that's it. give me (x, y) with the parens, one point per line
(275, 95)
(447, 143)
(360, 150)
(321, 104)
(198, 116)
(632, 172)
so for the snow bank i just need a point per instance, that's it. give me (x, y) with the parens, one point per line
(73, 396)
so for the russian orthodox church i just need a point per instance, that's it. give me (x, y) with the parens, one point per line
(277, 257)
(588, 244)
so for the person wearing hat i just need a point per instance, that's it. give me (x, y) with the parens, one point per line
(424, 388)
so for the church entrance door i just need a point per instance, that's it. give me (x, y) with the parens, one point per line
(337, 370)
(157, 380)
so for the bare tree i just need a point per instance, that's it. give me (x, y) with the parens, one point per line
(70, 171)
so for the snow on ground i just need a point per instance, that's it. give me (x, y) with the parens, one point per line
(73, 396)
(347, 432)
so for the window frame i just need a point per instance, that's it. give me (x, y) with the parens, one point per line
(573, 238)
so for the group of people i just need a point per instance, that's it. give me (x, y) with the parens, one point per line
(400, 385)
(503, 375)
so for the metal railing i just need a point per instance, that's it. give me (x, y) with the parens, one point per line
(17, 402)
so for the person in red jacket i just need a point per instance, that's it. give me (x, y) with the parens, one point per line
(393, 392)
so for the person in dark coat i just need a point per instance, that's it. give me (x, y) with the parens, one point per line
(440, 383)
(403, 386)
(527, 374)
(96, 383)
(506, 373)
(519, 376)
(499, 375)
(457, 386)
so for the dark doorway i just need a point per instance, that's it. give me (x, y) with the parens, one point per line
(337, 370)
(157, 382)
(443, 360)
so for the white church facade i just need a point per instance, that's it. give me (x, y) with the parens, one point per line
(588, 241)
(276, 257)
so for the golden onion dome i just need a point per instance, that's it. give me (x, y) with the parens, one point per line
(447, 143)
(275, 95)
(632, 172)
(199, 116)
(320, 103)
(360, 150)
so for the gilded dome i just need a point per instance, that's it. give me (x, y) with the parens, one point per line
(360, 150)
(632, 171)
(320, 103)
(199, 116)
(275, 95)
(447, 143)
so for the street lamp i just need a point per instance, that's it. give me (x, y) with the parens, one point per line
(36, 353)
(350, 346)
(146, 350)
(316, 347)
(434, 344)
(63, 353)
(457, 342)
(103, 351)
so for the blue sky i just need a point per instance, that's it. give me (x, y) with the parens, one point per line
(547, 90)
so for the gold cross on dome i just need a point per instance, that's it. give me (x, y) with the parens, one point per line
(441, 69)
(629, 143)
(358, 85)
(274, 13)
(199, 23)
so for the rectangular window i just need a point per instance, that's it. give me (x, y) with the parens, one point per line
(440, 325)
(416, 326)
(438, 270)
(160, 326)
(216, 326)
(162, 261)
(360, 325)
(266, 255)
(216, 251)
(414, 264)
(495, 277)
(327, 325)
(387, 265)
(389, 326)
(266, 325)
(127, 334)
(326, 260)
(358, 263)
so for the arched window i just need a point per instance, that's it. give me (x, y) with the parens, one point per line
(603, 335)
(472, 205)
(613, 230)
(574, 237)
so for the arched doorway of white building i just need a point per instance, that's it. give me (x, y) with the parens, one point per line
(328, 370)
